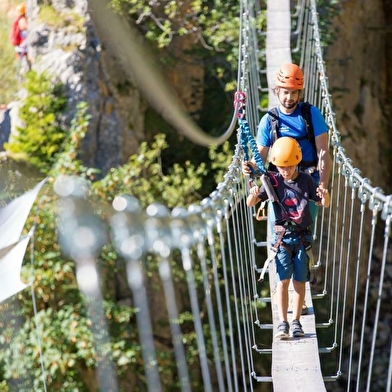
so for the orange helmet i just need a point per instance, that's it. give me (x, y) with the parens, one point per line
(290, 76)
(286, 151)
(21, 9)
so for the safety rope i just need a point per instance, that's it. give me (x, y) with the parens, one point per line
(245, 135)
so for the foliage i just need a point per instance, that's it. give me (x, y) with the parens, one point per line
(9, 81)
(210, 21)
(213, 26)
(69, 352)
(208, 32)
(67, 19)
(40, 137)
(327, 10)
(221, 158)
(67, 160)
(143, 178)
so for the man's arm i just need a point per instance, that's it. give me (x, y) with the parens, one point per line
(324, 159)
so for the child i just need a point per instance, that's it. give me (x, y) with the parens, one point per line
(292, 235)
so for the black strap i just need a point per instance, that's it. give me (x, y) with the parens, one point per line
(274, 121)
(307, 117)
(281, 231)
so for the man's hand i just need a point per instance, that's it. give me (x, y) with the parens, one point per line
(323, 194)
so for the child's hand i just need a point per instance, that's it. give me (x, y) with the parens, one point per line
(253, 198)
(254, 191)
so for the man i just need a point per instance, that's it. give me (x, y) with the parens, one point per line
(289, 85)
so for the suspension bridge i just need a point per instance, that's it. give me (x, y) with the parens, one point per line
(218, 244)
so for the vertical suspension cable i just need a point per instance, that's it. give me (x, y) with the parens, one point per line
(135, 281)
(233, 348)
(211, 317)
(356, 287)
(335, 299)
(188, 268)
(170, 299)
(347, 267)
(377, 207)
(244, 299)
(36, 320)
(366, 298)
(235, 294)
(209, 218)
(332, 207)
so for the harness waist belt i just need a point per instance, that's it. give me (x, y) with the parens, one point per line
(280, 229)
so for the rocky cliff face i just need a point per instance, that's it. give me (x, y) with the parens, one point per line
(359, 66)
(64, 43)
(71, 52)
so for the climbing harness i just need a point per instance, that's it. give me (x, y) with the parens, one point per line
(281, 231)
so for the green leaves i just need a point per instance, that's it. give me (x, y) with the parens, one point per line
(40, 137)
(144, 177)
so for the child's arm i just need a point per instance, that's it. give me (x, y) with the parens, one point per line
(323, 194)
(253, 197)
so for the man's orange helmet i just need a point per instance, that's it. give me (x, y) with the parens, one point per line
(290, 76)
(21, 9)
(286, 151)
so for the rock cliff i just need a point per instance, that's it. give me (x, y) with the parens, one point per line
(359, 66)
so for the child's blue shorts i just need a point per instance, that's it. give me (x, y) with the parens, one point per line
(296, 263)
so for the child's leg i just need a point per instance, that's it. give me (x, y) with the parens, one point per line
(282, 298)
(298, 298)
(300, 276)
(284, 270)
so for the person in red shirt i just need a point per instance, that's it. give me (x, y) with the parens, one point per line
(18, 33)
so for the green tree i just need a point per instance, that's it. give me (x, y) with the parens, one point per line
(40, 137)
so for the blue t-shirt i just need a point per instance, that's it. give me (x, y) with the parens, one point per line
(293, 125)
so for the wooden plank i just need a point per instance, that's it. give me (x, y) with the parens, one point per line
(295, 361)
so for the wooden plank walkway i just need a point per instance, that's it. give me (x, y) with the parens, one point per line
(278, 41)
(295, 361)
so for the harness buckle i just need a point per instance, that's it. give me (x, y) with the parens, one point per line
(261, 214)
(310, 170)
(239, 103)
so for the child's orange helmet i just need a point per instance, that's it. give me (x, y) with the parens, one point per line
(21, 9)
(290, 76)
(286, 151)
